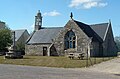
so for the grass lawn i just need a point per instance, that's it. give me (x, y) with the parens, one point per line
(60, 62)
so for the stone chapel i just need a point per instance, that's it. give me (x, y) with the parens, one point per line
(74, 37)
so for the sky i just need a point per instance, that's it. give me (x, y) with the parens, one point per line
(20, 14)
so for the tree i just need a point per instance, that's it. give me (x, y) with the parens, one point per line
(5, 38)
(117, 40)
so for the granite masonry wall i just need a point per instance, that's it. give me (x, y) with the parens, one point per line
(36, 49)
(81, 40)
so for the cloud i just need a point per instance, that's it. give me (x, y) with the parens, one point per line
(52, 13)
(87, 4)
(103, 4)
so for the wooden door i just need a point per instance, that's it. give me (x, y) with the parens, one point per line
(44, 51)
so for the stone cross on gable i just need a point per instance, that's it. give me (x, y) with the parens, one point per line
(71, 15)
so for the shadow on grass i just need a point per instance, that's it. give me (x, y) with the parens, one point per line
(78, 59)
(26, 58)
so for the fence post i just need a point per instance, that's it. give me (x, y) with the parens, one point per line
(87, 60)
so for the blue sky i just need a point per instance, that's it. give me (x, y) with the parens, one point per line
(19, 14)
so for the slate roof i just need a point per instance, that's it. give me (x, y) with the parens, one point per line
(100, 29)
(89, 31)
(44, 35)
(18, 34)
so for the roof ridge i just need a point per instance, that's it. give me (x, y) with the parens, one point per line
(80, 22)
(106, 31)
(29, 38)
(99, 23)
(20, 30)
(51, 27)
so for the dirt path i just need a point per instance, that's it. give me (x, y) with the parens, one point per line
(112, 66)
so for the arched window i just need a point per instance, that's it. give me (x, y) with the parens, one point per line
(70, 39)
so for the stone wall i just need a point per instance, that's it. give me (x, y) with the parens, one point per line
(95, 47)
(81, 39)
(36, 49)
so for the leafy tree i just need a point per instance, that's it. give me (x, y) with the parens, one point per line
(117, 40)
(5, 38)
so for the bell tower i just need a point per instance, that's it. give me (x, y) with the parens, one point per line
(38, 21)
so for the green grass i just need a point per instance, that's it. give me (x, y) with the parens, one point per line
(45, 61)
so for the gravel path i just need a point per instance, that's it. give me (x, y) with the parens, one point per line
(112, 66)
